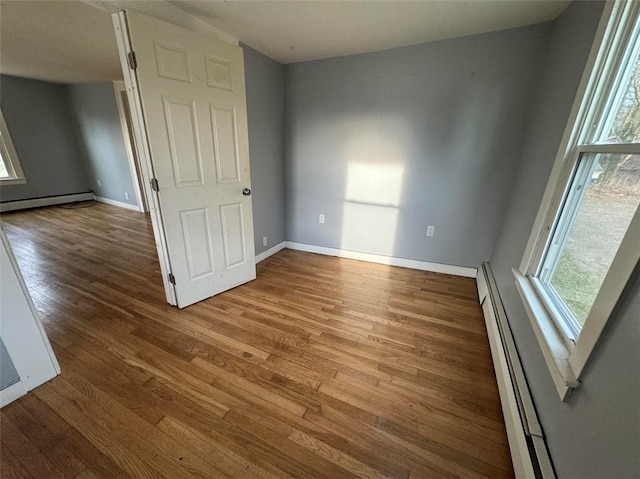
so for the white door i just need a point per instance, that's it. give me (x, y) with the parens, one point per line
(192, 93)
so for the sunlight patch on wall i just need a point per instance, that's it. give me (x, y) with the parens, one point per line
(377, 184)
(370, 214)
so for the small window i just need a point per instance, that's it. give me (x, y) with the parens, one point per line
(10, 168)
(586, 241)
(602, 199)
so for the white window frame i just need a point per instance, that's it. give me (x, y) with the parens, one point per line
(10, 157)
(565, 353)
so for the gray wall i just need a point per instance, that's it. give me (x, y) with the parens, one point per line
(387, 143)
(8, 373)
(100, 137)
(597, 433)
(264, 83)
(40, 122)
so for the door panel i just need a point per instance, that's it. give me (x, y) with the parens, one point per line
(219, 73)
(225, 139)
(172, 62)
(182, 131)
(233, 235)
(193, 96)
(198, 242)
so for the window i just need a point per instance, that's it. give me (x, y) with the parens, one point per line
(10, 169)
(586, 240)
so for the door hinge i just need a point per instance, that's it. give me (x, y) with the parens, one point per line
(131, 58)
(154, 185)
(172, 279)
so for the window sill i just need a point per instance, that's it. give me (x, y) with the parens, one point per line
(12, 181)
(555, 351)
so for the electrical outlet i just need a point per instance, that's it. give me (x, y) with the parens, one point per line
(99, 183)
(126, 195)
(264, 241)
(321, 218)
(431, 230)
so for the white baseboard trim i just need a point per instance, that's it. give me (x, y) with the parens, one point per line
(270, 252)
(11, 393)
(111, 202)
(48, 201)
(390, 260)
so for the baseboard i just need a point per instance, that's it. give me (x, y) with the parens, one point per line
(270, 252)
(520, 457)
(390, 260)
(47, 201)
(524, 433)
(11, 393)
(120, 204)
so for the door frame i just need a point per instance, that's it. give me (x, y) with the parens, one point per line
(20, 325)
(129, 144)
(144, 154)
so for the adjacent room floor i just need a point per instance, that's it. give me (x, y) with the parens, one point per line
(322, 367)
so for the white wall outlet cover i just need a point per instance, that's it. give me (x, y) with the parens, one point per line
(431, 230)
(126, 195)
(321, 218)
(99, 183)
(264, 241)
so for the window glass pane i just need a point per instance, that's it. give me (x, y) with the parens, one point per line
(3, 169)
(592, 225)
(625, 113)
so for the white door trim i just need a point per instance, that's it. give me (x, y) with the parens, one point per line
(139, 127)
(11, 393)
(134, 167)
(20, 328)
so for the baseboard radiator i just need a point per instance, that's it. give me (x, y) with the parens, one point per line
(528, 447)
(45, 201)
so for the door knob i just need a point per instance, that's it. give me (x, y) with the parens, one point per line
(246, 191)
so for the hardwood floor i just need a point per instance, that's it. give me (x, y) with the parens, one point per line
(322, 367)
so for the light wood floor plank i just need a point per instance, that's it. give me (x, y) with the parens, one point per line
(322, 367)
